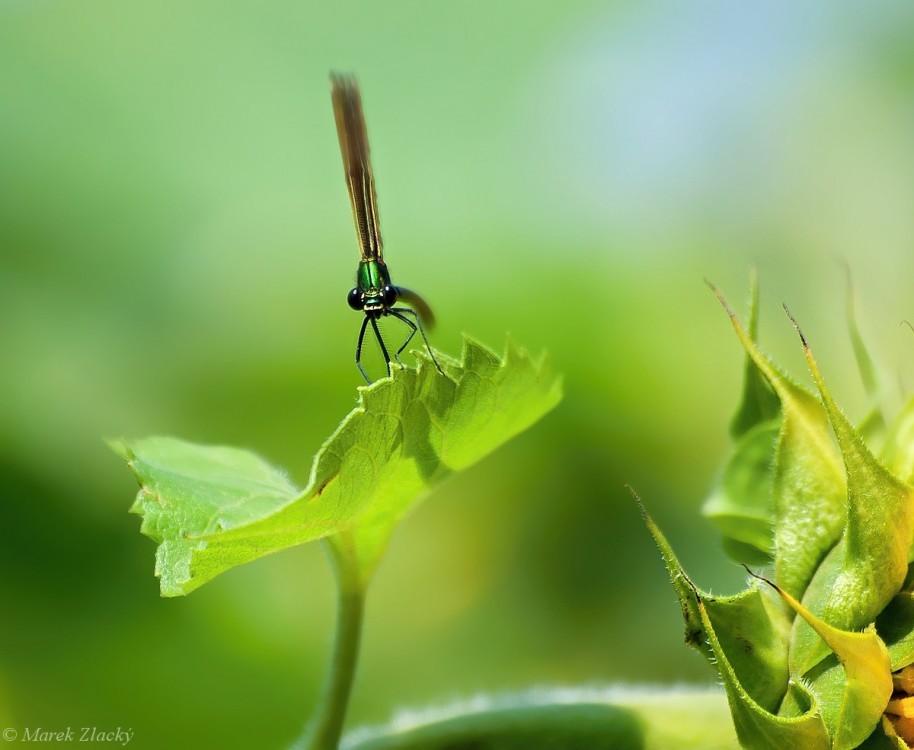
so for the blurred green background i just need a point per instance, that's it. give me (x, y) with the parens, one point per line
(176, 247)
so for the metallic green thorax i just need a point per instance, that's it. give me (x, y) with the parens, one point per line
(370, 279)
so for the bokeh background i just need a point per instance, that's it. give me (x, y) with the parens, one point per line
(175, 250)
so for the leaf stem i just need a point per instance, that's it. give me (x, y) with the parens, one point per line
(327, 726)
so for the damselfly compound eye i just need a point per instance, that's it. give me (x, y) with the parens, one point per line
(354, 298)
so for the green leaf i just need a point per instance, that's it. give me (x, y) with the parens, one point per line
(870, 563)
(854, 694)
(214, 508)
(578, 727)
(745, 637)
(592, 718)
(188, 492)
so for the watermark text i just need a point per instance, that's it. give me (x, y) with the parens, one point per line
(48, 735)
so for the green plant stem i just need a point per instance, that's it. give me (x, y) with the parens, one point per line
(327, 726)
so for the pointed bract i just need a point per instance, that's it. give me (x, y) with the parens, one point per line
(804, 495)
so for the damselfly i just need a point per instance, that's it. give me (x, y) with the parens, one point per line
(374, 294)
